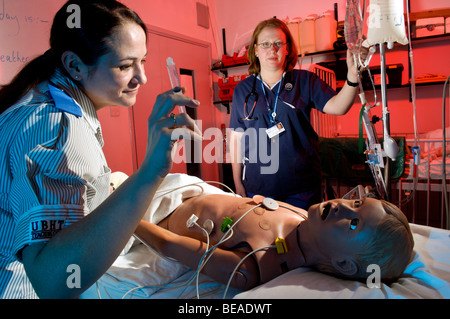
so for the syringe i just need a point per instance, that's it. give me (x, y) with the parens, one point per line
(174, 79)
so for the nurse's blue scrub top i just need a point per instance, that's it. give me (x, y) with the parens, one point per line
(298, 157)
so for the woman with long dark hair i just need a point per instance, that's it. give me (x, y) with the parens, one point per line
(56, 213)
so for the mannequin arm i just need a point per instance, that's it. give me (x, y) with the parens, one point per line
(189, 251)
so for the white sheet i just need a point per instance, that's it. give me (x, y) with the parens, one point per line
(139, 266)
(427, 276)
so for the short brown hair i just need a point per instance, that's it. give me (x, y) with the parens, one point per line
(391, 247)
(291, 58)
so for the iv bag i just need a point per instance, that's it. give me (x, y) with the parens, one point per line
(386, 23)
(353, 26)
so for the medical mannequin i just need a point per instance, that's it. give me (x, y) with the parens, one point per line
(56, 211)
(341, 237)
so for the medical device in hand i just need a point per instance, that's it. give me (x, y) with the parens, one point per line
(174, 79)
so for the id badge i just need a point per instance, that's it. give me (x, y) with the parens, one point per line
(275, 130)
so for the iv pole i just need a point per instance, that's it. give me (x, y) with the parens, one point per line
(386, 120)
(390, 147)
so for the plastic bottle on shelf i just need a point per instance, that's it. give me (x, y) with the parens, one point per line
(293, 27)
(325, 31)
(307, 35)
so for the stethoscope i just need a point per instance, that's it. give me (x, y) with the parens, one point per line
(247, 117)
(288, 86)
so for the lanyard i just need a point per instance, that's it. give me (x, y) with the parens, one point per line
(272, 114)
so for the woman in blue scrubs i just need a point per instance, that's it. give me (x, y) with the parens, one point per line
(275, 148)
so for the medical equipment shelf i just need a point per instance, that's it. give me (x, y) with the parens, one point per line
(407, 85)
(413, 17)
(223, 69)
(436, 39)
(422, 39)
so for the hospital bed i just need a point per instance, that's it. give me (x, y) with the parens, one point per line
(420, 191)
(140, 273)
(416, 189)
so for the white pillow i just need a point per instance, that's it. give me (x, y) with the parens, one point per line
(427, 276)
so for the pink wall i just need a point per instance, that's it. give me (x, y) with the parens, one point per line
(240, 17)
(174, 16)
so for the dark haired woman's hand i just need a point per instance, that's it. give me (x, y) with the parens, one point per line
(165, 128)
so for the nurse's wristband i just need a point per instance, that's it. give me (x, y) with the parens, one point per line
(354, 84)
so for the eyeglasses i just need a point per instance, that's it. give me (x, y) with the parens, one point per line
(276, 44)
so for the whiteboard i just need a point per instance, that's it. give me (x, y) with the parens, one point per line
(24, 32)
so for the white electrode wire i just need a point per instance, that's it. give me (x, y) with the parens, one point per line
(175, 189)
(198, 275)
(240, 263)
(222, 184)
(295, 210)
(165, 192)
(197, 272)
(227, 235)
(186, 284)
(154, 250)
(206, 256)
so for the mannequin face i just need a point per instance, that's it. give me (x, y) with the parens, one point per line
(342, 228)
(272, 58)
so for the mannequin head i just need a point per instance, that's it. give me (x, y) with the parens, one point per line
(350, 235)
